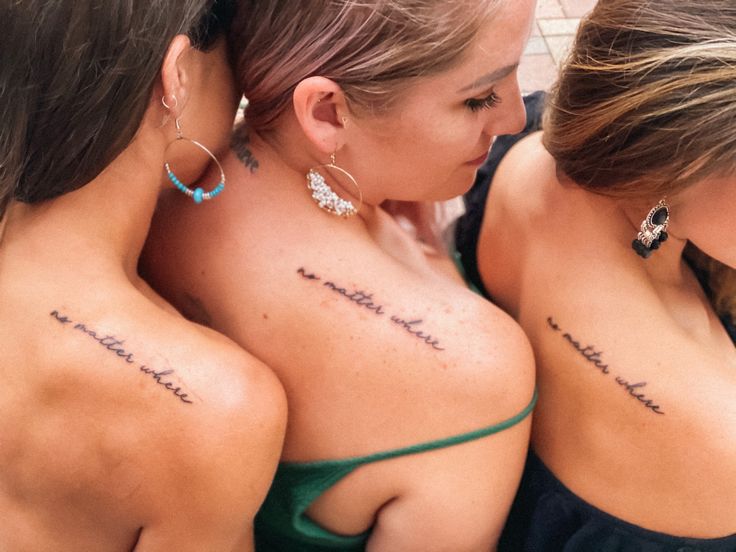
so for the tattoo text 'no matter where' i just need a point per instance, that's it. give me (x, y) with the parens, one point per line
(365, 300)
(117, 347)
(589, 353)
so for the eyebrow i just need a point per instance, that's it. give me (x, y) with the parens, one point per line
(491, 77)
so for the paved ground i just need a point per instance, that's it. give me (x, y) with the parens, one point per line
(554, 29)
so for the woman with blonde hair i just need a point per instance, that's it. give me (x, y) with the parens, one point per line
(123, 426)
(408, 395)
(584, 239)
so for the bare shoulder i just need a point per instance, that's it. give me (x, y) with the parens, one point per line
(661, 408)
(214, 459)
(180, 402)
(442, 343)
(209, 457)
(224, 385)
(518, 180)
(347, 326)
(127, 414)
(497, 359)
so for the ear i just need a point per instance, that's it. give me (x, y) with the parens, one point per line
(175, 76)
(320, 107)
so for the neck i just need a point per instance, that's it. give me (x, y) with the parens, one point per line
(104, 223)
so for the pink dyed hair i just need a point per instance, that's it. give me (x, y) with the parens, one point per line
(371, 48)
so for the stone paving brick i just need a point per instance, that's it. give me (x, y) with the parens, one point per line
(556, 27)
(559, 46)
(553, 32)
(537, 72)
(577, 8)
(549, 8)
(536, 45)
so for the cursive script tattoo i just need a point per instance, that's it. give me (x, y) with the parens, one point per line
(632, 387)
(365, 300)
(589, 353)
(116, 346)
(358, 297)
(239, 145)
(411, 325)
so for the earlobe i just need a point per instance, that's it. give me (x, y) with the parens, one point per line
(319, 105)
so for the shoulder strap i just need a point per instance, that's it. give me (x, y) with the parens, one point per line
(421, 447)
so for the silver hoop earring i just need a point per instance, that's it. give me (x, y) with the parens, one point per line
(174, 99)
(326, 197)
(197, 194)
(653, 230)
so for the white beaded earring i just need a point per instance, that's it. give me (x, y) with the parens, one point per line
(326, 197)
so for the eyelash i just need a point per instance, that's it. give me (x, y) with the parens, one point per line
(488, 102)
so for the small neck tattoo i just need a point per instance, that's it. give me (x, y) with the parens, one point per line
(240, 144)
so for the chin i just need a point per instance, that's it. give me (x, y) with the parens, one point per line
(453, 188)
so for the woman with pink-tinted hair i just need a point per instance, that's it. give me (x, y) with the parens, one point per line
(409, 396)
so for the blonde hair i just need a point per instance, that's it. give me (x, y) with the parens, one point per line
(371, 48)
(646, 105)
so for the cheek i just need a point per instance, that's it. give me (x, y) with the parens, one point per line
(448, 144)
(422, 157)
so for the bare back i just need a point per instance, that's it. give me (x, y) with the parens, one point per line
(376, 351)
(122, 424)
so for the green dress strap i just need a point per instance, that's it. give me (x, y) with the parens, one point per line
(283, 526)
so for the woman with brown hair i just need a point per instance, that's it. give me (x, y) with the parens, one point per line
(408, 395)
(584, 239)
(123, 426)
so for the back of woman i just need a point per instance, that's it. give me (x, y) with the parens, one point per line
(583, 242)
(122, 425)
(408, 395)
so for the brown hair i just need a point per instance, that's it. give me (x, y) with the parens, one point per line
(646, 103)
(75, 81)
(371, 48)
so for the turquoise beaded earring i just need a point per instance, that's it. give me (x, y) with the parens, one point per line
(198, 194)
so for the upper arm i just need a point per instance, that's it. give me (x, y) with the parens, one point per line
(458, 498)
(211, 472)
(466, 494)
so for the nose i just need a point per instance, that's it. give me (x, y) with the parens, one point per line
(510, 117)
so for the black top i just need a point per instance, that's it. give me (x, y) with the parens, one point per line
(546, 516)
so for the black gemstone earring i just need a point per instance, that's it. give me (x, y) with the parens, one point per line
(653, 230)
